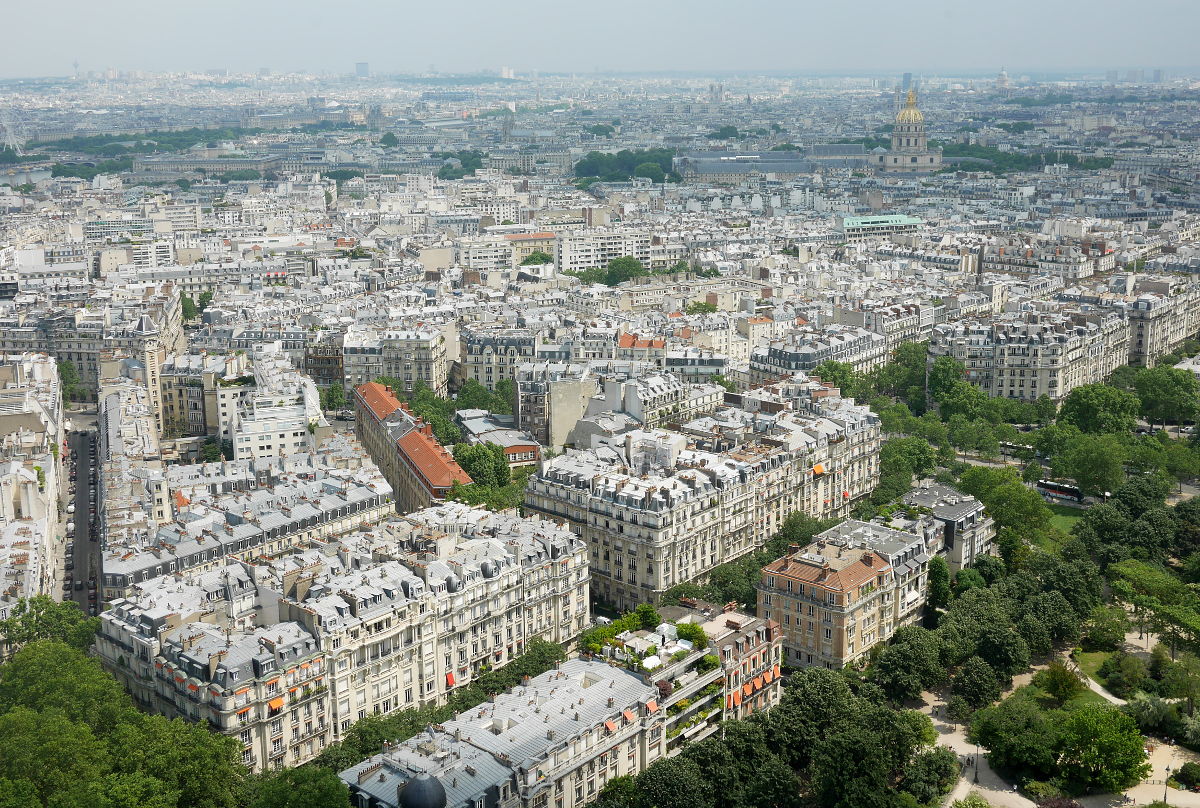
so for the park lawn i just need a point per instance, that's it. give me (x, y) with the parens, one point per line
(1087, 696)
(1064, 517)
(1090, 661)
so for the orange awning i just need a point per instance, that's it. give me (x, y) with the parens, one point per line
(243, 710)
(193, 687)
(758, 683)
(610, 726)
(450, 679)
(729, 702)
(776, 668)
(737, 699)
(305, 665)
(747, 688)
(240, 692)
(766, 677)
(652, 706)
(274, 681)
(629, 716)
(276, 703)
(293, 689)
(819, 469)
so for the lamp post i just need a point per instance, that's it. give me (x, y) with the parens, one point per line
(976, 763)
(1166, 780)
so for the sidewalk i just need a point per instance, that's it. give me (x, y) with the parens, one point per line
(977, 775)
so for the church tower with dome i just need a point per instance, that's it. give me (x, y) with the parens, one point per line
(910, 152)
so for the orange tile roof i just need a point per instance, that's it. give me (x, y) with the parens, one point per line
(851, 576)
(181, 501)
(431, 460)
(632, 341)
(378, 399)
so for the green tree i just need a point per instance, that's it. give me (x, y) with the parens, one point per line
(389, 140)
(1101, 750)
(210, 452)
(484, 462)
(188, 308)
(1099, 408)
(305, 787)
(930, 774)
(1017, 506)
(697, 307)
(43, 618)
(205, 299)
(1004, 649)
(976, 683)
(1105, 629)
(51, 755)
(1021, 737)
(648, 616)
(651, 171)
(1167, 394)
(624, 269)
(537, 258)
(1062, 683)
(1094, 462)
(939, 582)
(945, 372)
(68, 379)
(335, 397)
(674, 783)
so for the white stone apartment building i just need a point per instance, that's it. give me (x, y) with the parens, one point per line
(287, 655)
(656, 512)
(1030, 354)
(31, 480)
(412, 356)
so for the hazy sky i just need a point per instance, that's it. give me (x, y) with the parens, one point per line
(44, 37)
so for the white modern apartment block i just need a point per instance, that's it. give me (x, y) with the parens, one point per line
(281, 413)
(595, 248)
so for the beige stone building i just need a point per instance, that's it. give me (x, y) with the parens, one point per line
(845, 593)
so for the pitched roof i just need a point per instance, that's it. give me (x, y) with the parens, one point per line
(378, 399)
(431, 460)
(632, 341)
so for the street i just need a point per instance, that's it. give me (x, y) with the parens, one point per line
(85, 575)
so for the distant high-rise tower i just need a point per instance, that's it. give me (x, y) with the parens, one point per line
(1159, 76)
(1111, 77)
(907, 84)
(362, 70)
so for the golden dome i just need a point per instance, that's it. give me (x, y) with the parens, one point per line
(910, 113)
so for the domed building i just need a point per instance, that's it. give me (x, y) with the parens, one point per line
(910, 152)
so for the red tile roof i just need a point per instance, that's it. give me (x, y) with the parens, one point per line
(378, 399)
(632, 341)
(431, 460)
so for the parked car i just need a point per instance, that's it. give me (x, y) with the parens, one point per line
(78, 585)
